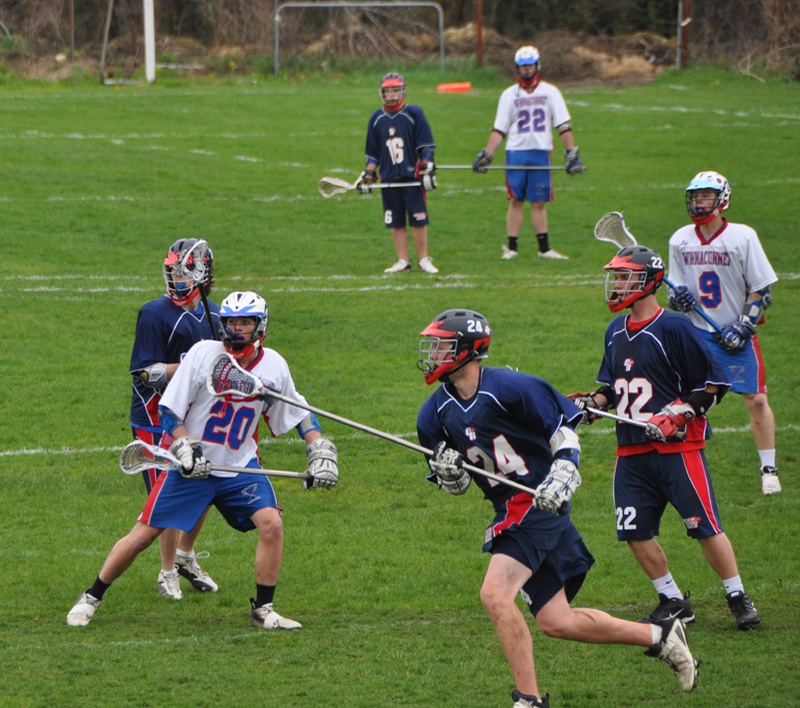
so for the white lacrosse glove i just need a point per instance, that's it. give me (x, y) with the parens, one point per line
(446, 465)
(482, 162)
(426, 172)
(322, 464)
(557, 489)
(189, 452)
(366, 182)
(573, 160)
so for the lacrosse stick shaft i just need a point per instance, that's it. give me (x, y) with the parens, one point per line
(394, 439)
(618, 418)
(697, 309)
(504, 167)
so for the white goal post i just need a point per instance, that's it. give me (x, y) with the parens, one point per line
(149, 22)
(334, 5)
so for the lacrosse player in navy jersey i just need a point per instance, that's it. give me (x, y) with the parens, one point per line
(400, 148)
(656, 369)
(166, 329)
(516, 425)
(207, 431)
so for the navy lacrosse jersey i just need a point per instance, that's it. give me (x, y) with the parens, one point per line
(396, 141)
(651, 364)
(505, 428)
(164, 333)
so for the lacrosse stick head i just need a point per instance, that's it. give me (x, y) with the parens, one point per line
(612, 228)
(331, 186)
(226, 378)
(138, 456)
(635, 272)
(189, 265)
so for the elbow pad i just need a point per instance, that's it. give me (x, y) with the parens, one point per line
(703, 401)
(565, 445)
(308, 424)
(154, 376)
(168, 420)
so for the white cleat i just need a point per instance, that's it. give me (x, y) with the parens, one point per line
(190, 569)
(266, 618)
(508, 253)
(552, 253)
(426, 265)
(169, 584)
(770, 484)
(83, 611)
(673, 650)
(400, 267)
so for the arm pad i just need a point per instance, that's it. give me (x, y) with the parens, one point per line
(154, 376)
(565, 445)
(308, 424)
(168, 420)
(703, 401)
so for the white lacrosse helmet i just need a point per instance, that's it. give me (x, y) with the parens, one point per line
(528, 56)
(704, 181)
(243, 304)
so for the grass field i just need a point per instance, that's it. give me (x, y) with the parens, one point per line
(383, 571)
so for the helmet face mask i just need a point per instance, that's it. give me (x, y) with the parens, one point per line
(696, 192)
(393, 91)
(635, 272)
(239, 306)
(188, 265)
(528, 66)
(452, 340)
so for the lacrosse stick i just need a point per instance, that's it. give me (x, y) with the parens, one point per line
(198, 274)
(612, 228)
(503, 167)
(138, 456)
(226, 378)
(331, 186)
(618, 418)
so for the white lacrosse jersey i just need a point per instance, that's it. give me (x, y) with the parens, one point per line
(527, 119)
(721, 271)
(228, 429)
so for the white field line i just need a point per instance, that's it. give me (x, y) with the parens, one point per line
(291, 440)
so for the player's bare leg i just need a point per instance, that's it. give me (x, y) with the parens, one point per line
(539, 217)
(514, 217)
(651, 557)
(762, 420)
(720, 555)
(419, 235)
(400, 238)
(269, 551)
(127, 549)
(503, 580)
(582, 624)
(168, 544)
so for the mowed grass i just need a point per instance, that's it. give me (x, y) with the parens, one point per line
(384, 571)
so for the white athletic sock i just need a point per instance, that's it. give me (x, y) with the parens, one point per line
(657, 633)
(733, 584)
(767, 458)
(665, 585)
(183, 554)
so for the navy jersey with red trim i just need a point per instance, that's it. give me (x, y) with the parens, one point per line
(164, 333)
(505, 428)
(396, 141)
(651, 366)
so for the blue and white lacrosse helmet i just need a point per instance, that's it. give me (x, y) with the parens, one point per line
(705, 181)
(243, 304)
(528, 56)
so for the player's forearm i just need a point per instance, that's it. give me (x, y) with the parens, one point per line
(567, 139)
(495, 140)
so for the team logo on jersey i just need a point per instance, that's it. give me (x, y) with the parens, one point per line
(392, 131)
(692, 522)
(471, 433)
(250, 493)
(628, 364)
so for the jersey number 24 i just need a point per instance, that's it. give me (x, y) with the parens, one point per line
(508, 461)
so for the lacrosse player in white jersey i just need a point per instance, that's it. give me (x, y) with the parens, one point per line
(527, 113)
(223, 432)
(721, 267)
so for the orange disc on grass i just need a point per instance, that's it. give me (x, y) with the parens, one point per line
(464, 87)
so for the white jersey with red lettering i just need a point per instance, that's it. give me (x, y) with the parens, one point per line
(527, 119)
(228, 429)
(720, 271)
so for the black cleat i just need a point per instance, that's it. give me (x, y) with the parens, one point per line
(670, 608)
(743, 610)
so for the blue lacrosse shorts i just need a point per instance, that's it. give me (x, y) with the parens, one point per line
(178, 503)
(401, 201)
(529, 185)
(644, 484)
(745, 368)
(557, 561)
